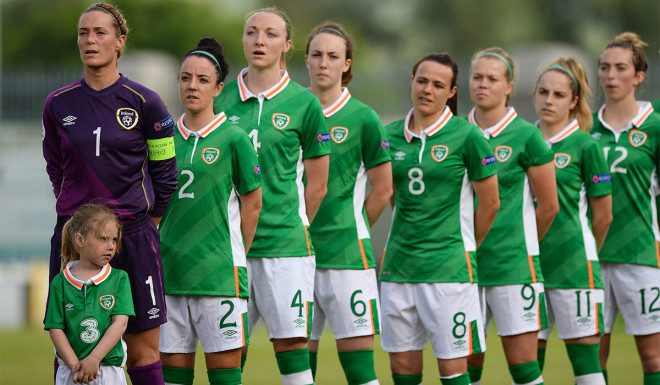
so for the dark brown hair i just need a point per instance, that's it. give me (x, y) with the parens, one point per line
(445, 59)
(337, 30)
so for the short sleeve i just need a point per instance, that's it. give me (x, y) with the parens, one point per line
(537, 151)
(123, 297)
(375, 147)
(595, 173)
(55, 307)
(315, 135)
(479, 156)
(246, 172)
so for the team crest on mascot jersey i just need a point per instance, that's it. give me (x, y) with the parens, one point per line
(637, 138)
(280, 120)
(107, 301)
(562, 160)
(127, 118)
(439, 152)
(338, 134)
(210, 155)
(503, 153)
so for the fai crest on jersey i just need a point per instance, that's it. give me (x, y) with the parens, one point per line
(562, 160)
(127, 118)
(107, 301)
(210, 155)
(280, 120)
(439, 152)
(338, 134)
(503, 153)
(637, 138)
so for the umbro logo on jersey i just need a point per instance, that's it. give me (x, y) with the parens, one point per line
(280, 121)
(338, 134)
(439, 152)
(234, 119)
(210, 155)
(69, 120)
(503, 153)
(637, 138)
(399, 155)
(153, 313)
(127, 118)
(562, 160)
(596, 135)
(107, 301)
(68, 306)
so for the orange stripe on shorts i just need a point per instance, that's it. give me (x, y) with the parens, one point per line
(364, 256)
(531, 267)
(469, 265)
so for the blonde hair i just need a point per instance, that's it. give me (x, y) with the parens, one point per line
(88, 217)
(579, 87)
(282, 15)
(631, 41)
(118, 22)
(504, 57)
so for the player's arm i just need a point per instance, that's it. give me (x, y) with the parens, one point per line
(51, 150)
(64, 349)
(90, 364)
(543, 183)
(316, 170)
(601, 217)
(160, 151)
(381, 192)
(250, 209)
(489, 203)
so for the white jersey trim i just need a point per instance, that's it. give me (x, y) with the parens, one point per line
(338, 104)
(572, 126)
(359, 194)
(645, 110)
(235, 233)
(467, 215)
(300, 171)
(590, 248)
(529, 220)
(498, 127)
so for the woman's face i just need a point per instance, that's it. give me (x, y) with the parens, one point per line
(430, 87)
(489, 87)
(616, 73)
(265, 40)
(553, 98)
(98, 42)
(326, 60)
(197, 84)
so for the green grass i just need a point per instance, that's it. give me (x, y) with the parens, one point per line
(26, 358)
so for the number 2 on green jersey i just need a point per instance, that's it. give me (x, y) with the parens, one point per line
(622, 153)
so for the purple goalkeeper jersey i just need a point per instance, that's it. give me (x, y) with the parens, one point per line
(114, 145)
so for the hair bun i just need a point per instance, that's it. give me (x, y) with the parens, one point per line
(631, 38)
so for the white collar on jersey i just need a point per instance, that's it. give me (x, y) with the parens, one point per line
(78, 284)
(498, 127)
(430, 130)
(270, 93)
(565, 132)
(645, 110)
(204, 132)
(338, 104)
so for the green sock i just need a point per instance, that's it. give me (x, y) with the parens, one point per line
(652, 378)
(312, 362)
(358, 366)
(225, 376)
(475, 373)
(407, 379)
(182, 376)
(243, 359)
(463, 379)
(540, 353)
(605, 374)
(525, 372)
(584, 358)
(294, 366)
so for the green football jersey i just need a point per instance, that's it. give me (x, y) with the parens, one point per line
(432, 235)
(633, 156)
(286, 126)
(84, 310)
(340, 230)
(509, 253)
(201, 240)
(569, 256)
(656, 105)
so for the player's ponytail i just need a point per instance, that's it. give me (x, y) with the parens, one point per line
(212, 50)
(632, 41)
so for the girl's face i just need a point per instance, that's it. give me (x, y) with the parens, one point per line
(617, 75)
(430, 87)
(98, 246)
(264, 40)
(98, 42)
(326, 60)
(489, 86)
(553, 98)
(197, 84)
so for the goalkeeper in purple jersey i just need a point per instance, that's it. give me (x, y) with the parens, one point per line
(109, 139)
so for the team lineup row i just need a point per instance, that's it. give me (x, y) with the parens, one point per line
(259, 191)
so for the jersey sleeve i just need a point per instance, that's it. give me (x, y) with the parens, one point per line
(375, 147)
(537, 151)
(55, 307)
(479, 157)
(51, 148)
(159, 131)
(595, 173)
(123, 297)
(246, 172)
(315, 139)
